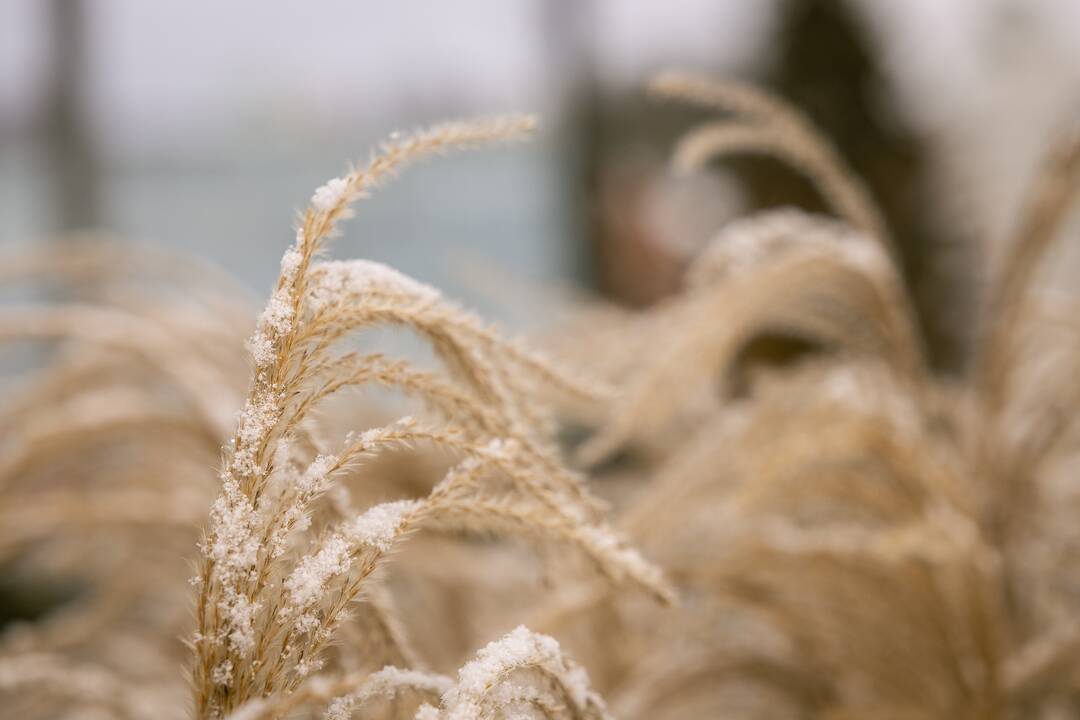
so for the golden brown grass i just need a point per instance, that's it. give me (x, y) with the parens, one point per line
(290, 612)
(852, 536)
(848, 535)
(274, 587)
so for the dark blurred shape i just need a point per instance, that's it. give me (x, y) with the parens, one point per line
(826, 66)
(24, 598)
(634, 260)
(73, 166)
(569, 31)
(638, 266)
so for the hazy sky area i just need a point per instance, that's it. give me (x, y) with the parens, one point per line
(178, 71)
(211, 122)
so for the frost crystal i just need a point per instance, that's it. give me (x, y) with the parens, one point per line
(376, 529)
(222, 673)
(314, 477)
(339, 709)
(328, 196)
(387, 682)
(278, 313)
(307, 666)
(306, 583)
(427, 712)
(519, 649)
(232, 520)
(239, 614)
(261, 348)
(607, 545)
(379, 526)
(335, 280)
(290, 261)
(256, 420)
(307, 485)
(275, 321)
(372, 436)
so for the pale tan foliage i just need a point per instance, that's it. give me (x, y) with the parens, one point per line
(289, 616)
(272, 595)
(765, 124)
(781, 273)
(851, 535)
(107, 444)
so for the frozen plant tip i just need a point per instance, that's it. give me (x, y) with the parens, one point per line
(273, 595)
(521, 672)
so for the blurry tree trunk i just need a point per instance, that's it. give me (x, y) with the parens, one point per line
(72, 176)
(569, 30)
(827, 65)
(72, 164)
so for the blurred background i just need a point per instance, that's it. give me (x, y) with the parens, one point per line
(205, 126)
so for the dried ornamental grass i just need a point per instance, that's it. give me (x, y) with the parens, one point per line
(851, 535)
(273, 591)
(107, 440)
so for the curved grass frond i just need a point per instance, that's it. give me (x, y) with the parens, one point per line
(765, 124)
(1050, 200)
(202, 384)
(778, 274)
(272, 593)
(521, 671)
